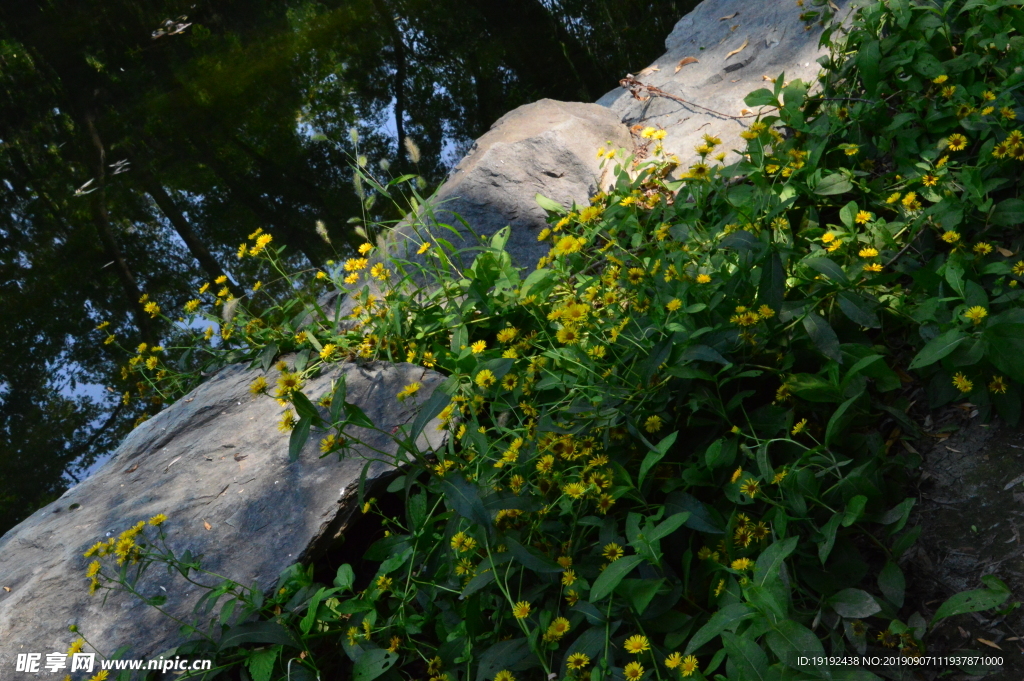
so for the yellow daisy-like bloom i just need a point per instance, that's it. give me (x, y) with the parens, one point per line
(508, 335)
(221, 279)
(152, 309)
(982, 248)
(258, 386)
(689, 665)
(939, 80)
(1018, 269)
(157, 520)
(736, 475)
(779, 477)
(893, 198)
(568, 244)
(873, 267)
(504, 675)
(962, 383)
(799, 427)
(976, 314)
(287, 422)
(558, 628)
(77, 646)
(191, 306)
(750, 487)
(637, 644)
(719, 588)
(648, 132)
(288, 383)
(653, 424)
(408, 391)
(852, 149)
(365, 248)
(93, 569)
(673, 660)
(998, 385)
(868, 252)
(568, 336)
(478, 347)
(949, 91)
(765, 312)
(951, 237)
(612, 552)
(828, 237)
(929, 180)
(1008, 113)
(485, 379)
(575, 490)
(863, 217)
(591, 213)
(577, 661)
(673, 305)
(423, 248)
(703, 279)
(956, 142)
(380, 272)
(742, 564)
(633, 671)
(521, 610)
(568, 577)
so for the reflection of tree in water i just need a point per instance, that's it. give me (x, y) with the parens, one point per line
(186, 126)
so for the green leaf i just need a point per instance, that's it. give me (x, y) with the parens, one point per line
(854, 603)
(550, 205)
(768, 564)
(937, 348)
(299, 436)
(829, 530)
(478, 582)
(531, 558)
(765, 600)
(1006, 347)
(655, 455)
(837, 422)
(867, 60)
(747, 656)
(970, 601)
(854, 510)
(823, 337)
(503, 655)
(828, 267)
(345, 578)
(372, 664)
(892, 583)
(667, 527)
(789, 640)
(464, 498)
(304, 407)
(257, 632)
(1008, 213)
(430, 409)
(836, 183)
(719, 622)
(261, 663)
(612, 575)
(761, 97)
(858, 310)
(640, 592)
(772, 288)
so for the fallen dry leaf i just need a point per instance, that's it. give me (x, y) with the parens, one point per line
(239, 457)
(7, 589)
(990, 644)
(834, 6)
(1003, 252)
(739, 49)
(686, 60)
(734, 27)
(648, 71)
(207, 525)
(729, 17)
(132, 469)
(745, 112)
(963, 632)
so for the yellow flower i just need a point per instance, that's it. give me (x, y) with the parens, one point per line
(742, 564)
(951, 237)
(558, 628)
(689, 665)
(648, 132)
(258, 386)
(568, 336)
(637, 644)
(873, 267)
(736, 475)
(673, 660)
(750, 487)
(633, 671)
(191, 306)
(568, 577)
(77, 646)
(408, 391)
(93, 569)
(380, 272)
(673, 305)
(157, 520)
(507, 335)
(575, 490)
(612, 552)
(423, 248)
(939, 80)
(478, 347)
(1008, 113)
(976, 314)
(851, 149)
(948, 91)
(893, 198)
(765, 312)
(863, 217)
(152, 308)
(962, 383)
(929, 180)
(577, 661)
(485, 379)
(982, 248)
(703, 279)
(956, 142)
(287, 422)
(799, 427)
(998, 385)
(365, 248)
(653, 424)
(521, 610)
(718, 589)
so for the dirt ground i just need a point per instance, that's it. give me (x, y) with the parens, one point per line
(971, 509)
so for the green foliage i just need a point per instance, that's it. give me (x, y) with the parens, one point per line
(675, 447)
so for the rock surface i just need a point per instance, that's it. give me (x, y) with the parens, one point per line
(546, 147)
(770, 39)
(216, 464)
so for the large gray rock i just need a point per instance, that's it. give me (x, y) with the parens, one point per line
(216, 464)
(546, 147)
(773, 41)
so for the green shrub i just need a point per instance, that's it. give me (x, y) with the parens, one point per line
(677, 446)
